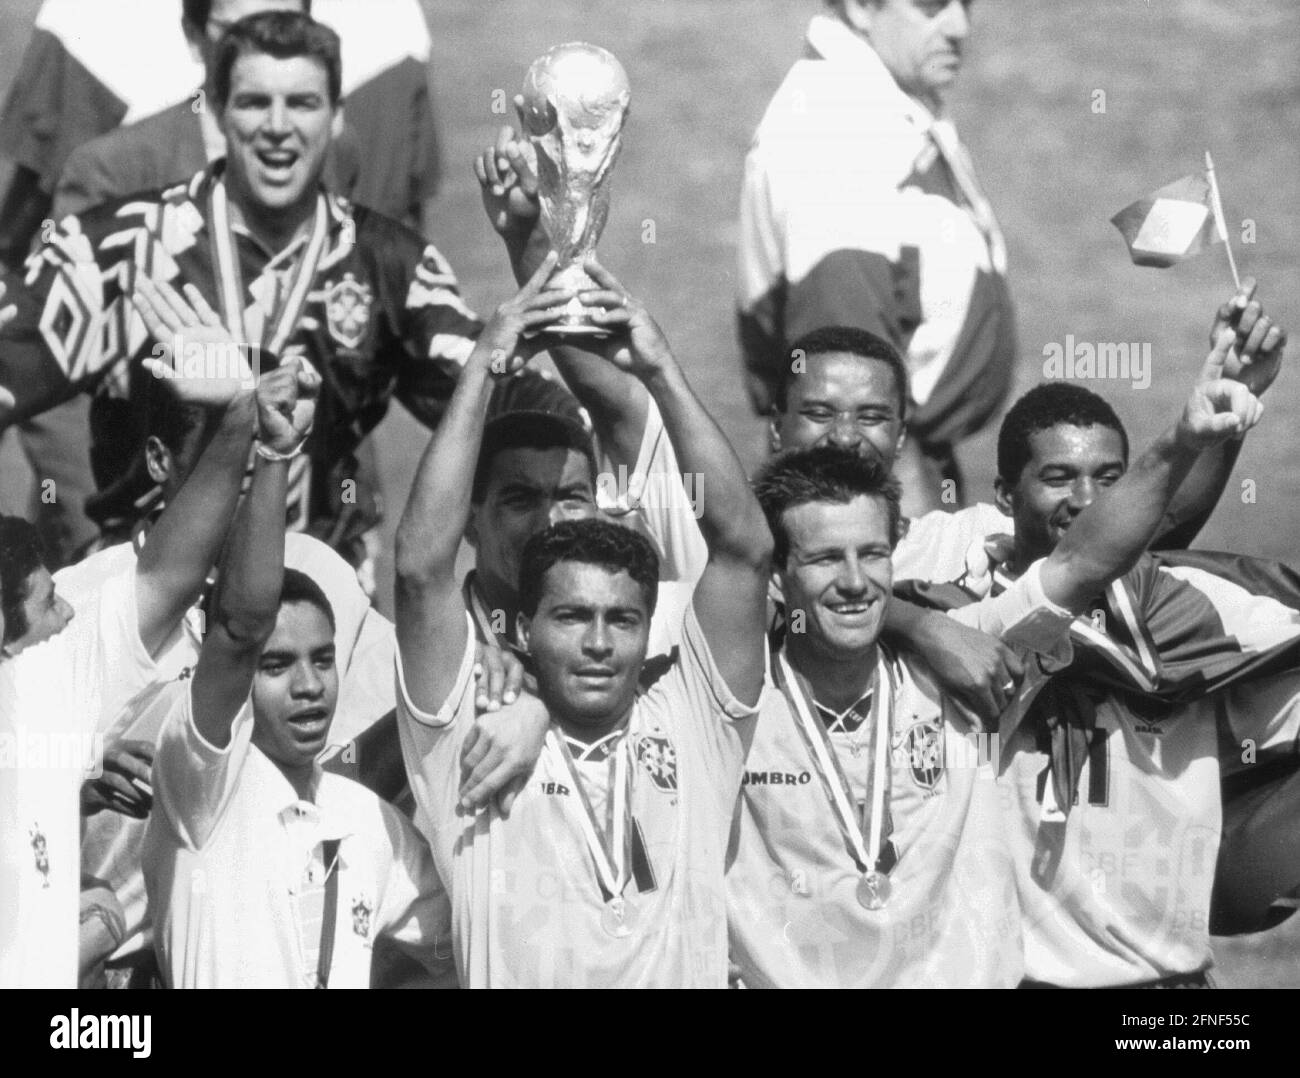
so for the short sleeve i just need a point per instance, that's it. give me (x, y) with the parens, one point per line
(698, 666)
(416, 911)
(459, 702)
(693, 701)
(194, 780)
(106, 659)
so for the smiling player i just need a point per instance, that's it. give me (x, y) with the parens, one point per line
(289, 267)
(609, 871)
(868, 853)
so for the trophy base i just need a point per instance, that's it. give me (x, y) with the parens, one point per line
(575, 321)
(576, 329)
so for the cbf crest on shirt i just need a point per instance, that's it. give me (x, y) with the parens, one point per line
(366, 301)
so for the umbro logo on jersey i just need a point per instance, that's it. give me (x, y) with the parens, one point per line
(776, 778)
(659, 758)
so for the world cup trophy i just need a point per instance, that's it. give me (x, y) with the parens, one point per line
(575, 100)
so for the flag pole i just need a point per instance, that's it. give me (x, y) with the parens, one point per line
(1218, 216)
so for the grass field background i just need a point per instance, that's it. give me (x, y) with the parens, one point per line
(1178, 78)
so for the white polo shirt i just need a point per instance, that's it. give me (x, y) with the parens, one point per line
(231, 853)
(363, 643)
(56, 700)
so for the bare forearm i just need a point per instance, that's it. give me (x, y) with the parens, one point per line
(615, 400)
(248, 596)
(185, 542)
(906, 624)
(1108, 537)
(430, 531)
(527, 253)
(1199, 493)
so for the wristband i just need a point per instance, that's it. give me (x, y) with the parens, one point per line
(272, 455)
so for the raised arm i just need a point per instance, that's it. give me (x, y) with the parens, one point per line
(1108, 537)
(186, 541)
(252, 572)
(431, 630)
(1254, 360)
(730, 599)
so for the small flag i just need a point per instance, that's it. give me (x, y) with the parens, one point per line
(1171, 224)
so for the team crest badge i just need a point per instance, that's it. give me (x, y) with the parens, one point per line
(361, 911)
(347, 310)
(41, 853)
(923, 744)
(659, 758)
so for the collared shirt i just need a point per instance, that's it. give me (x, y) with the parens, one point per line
(234, 869)
(848, 720)
(56, 701)
(364, 644)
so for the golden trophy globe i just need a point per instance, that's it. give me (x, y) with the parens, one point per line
(575, 99)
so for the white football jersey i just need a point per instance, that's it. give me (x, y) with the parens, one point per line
(528, 909)
(951, 919)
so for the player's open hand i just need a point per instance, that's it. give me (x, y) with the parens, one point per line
(507, 178)
(509, 340)
(501, 750)
(1256, 353)
(637, 344)
(286, 404)
(194, 351)
(500, 677)
(1218, 408)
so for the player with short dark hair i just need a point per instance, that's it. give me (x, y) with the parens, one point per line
(1115, 769)
(609, 546)
(849, 340)
(283, 38)
(298, 587)
(633, 794)
(1043, 407)
(528, 430)
(262, 870)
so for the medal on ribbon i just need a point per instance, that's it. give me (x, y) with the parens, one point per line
(866, 835)
(610, 847)
(283, 321)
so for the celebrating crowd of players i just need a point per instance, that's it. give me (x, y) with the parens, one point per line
(681, 730)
